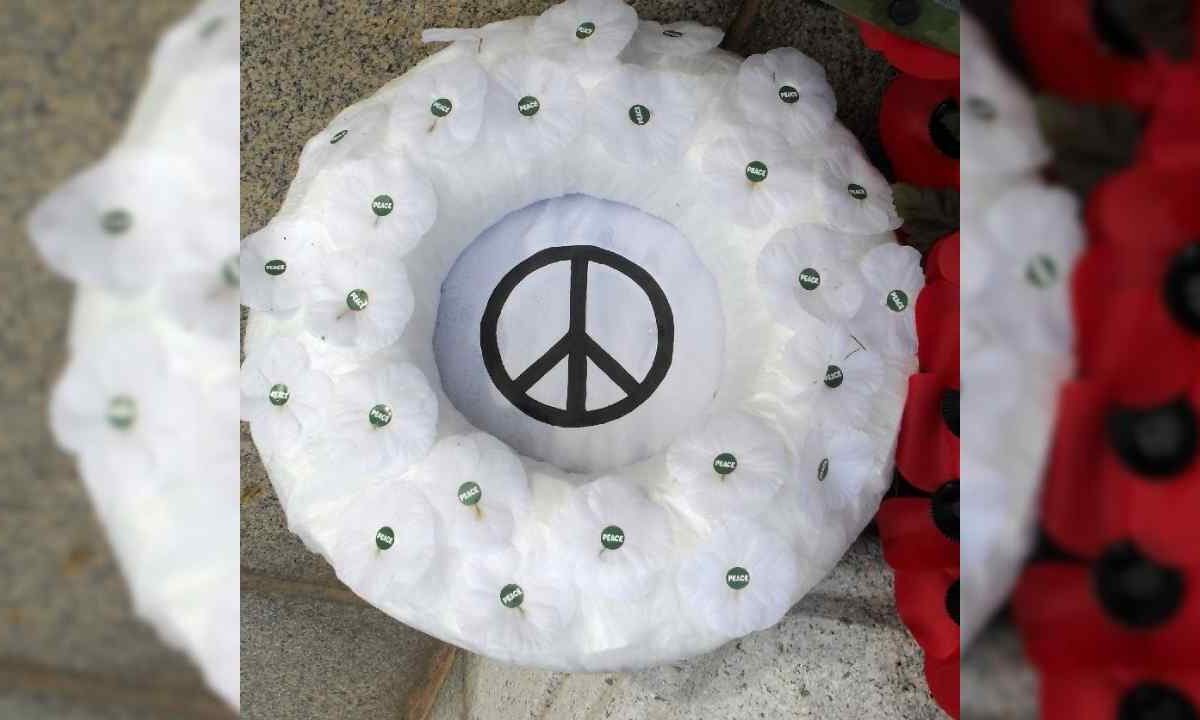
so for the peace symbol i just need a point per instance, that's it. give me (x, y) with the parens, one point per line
(577, 347)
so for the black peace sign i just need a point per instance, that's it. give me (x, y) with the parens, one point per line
(577, 346)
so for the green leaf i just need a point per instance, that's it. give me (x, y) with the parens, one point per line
(1090, 142)
(928, 213)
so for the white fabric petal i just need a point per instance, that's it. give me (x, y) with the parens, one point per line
(642, 116)
(116, 225)
(893, 279)
(808, 270)
(786, 90)
(439, 111)
(509, 606)
(678, 39)
(381, 419)
(584, 31)
(853, 196)
(363, 300)
(536, 107)
(751, 176)
(743, 578)
(360, 130)
(281, 262)
(373, 205)
(734, 465)
(478, 487)
(281, 395)
(387, 542)
(836, 378)
(614, 538)
(837, 462)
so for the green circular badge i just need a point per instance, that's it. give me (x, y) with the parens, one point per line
(833, 376)
(441, 107)
(810, 279)
(469, 493)
(275, 268)
(789, 94)
(116, 221)
(756, 171)
(385, 537)
(529, 106)
(1041, 271)
(231, 271)
(380, 415)
(856, 191)
(724, 463)
(672, 33)
(122, 410)
(511, 595)
(639, 114)
(897, 300)
(737, 577)
(279, 394)
(357, 299)
(383, 205)
(823, 470)
(338, 136)
(612, 537)
(981, 109)
(585, 30)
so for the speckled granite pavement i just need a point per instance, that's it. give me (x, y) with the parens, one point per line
(311, 650)
(70, 647)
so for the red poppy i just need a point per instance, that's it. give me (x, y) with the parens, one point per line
(1077, 50)
(1124, 472)
(937, 330)
(927, 446)
(1121, 691)
(942, 261)
(909, 56)
(942, 676)
(1170, 138)
(911, 537)
(1075, 616)
(1136, 286)
(918, 125)
(927, 601)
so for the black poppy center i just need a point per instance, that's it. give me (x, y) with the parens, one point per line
(1156, 442)
(945, 506)
(1111, 28)
(1182, 288)
(1134, 589)
(1154, 701)
(943, 127)
(949, 408)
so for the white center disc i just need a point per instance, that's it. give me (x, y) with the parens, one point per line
(606, 333)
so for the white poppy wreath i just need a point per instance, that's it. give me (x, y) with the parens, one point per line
(584, 343)
(146, 401)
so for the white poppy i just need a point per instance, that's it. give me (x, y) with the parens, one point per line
(116, 225)
(386, 542)
(373, 204)
(281, 394)
(741, 579)
(580, 31)
(642, 116)
(734, 465)
(358, 131)
(362, 300)
(837, 462)
(678, 39)
(892, 279)
(121, 409)
(440, 109)
(381, 419)
(809, 270)
(615, 538)
(478, 487)
(751, 177)
(786, 90)
(1033, 234)
(1000, 135)
(836, 377)
(491, 42)
(281, 262)
(537, 106)
(510, 605)
(853, 196)
(202, 292)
